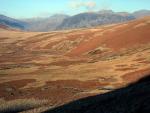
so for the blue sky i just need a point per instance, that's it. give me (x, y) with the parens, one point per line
(44, 8)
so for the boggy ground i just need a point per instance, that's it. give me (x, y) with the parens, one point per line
(67, 65)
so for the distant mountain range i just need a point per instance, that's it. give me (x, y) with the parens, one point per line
(60, 21)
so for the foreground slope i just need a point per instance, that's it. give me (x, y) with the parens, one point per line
(134, 98)
(67, 65)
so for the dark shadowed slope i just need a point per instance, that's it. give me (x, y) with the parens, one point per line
(134, 98)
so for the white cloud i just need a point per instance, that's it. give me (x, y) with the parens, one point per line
(82, 4)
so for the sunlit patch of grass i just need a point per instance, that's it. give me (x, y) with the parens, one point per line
(19, 105)
(18, 70)
(148, 58)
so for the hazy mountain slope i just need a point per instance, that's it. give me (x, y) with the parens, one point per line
(11, 22)
(45, 24)
(61, 21)
(141, 13)
(5, 27)
(93, 19)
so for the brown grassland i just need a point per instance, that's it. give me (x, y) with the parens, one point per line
(53, 68)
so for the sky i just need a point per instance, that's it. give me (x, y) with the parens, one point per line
(45, 8)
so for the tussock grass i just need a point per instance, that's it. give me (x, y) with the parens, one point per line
(19, 105)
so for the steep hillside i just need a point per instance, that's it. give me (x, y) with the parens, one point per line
(45, 24)
(93, 19)
(3, 26)
(7, 28)
(12, 23)
(116, 37)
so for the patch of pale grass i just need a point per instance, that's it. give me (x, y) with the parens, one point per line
(19, 105)
(140, 25)
(148, 22)
(18, 70)
(39, 109)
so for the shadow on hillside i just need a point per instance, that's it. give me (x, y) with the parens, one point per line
(134, 98)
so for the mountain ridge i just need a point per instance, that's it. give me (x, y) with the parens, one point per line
(82, 20)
